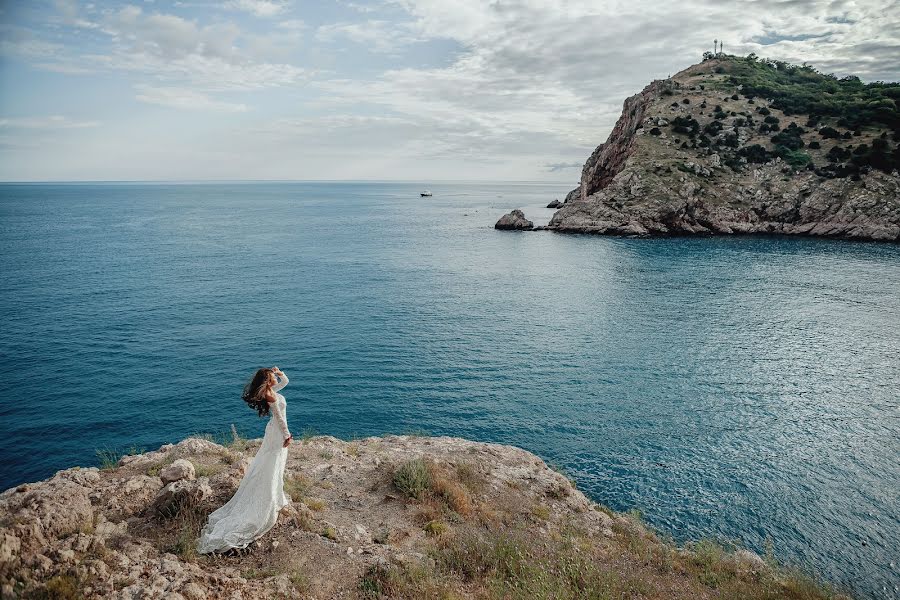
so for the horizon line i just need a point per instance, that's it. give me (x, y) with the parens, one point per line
(215, 181)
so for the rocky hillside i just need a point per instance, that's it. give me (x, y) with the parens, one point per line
(392, 517)
(739, 145)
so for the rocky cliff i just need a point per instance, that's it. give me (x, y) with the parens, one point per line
(392, 517)
(726, 147)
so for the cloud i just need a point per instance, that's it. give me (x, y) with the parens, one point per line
(260, 8)
(53, 122)
(518, 88)
(376, 35)
(185, 99)
(171, 49)
(292, 24)
(554, 167)
(537, 71)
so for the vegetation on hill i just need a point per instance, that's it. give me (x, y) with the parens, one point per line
(801, 89)
(870, 111)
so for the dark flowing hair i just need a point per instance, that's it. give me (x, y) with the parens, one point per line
(255, 390)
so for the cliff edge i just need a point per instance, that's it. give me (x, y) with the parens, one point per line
(739, 145)
(392, 517)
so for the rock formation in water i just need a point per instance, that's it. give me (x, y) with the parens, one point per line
(391, 517)
(738, 145)
(514, 220)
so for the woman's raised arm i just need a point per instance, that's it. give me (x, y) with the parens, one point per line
(282, 381)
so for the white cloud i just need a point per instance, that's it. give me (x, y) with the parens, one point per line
(518, 88)
(553, 167)
(377, 36)
(53, 122)
(185, 99)
(260, 8)
(541, 70)
(171, 49)
(292, 24)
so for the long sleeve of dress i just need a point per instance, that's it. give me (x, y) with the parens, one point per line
(279, 417)
(282, 381)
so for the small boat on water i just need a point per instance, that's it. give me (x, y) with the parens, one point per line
(425, 193)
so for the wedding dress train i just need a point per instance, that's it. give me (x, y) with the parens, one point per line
(253, 509)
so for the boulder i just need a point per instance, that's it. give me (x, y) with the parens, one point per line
(555, 204)
(181, 494)
(198, 446)
(514, 220)
(180, 469)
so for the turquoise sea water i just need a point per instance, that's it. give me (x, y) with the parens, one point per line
(744, 388)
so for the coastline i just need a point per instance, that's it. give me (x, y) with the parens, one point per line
(394, 516)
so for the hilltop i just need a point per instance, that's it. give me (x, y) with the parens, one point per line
(393, 517)
(742, 145)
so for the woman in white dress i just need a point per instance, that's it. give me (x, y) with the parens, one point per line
(253, 509)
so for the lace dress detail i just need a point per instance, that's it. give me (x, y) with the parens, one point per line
(253, 509)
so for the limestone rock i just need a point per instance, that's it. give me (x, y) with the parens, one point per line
(113, 529)
(180, 469)
(669, 184)
(514, 220)
(176, 496)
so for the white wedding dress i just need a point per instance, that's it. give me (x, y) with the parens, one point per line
(253, 509)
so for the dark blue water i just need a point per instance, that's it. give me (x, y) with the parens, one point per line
(745, 388)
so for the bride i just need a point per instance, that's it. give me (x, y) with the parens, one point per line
(253, 509)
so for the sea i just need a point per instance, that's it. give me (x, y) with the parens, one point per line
(745, 389)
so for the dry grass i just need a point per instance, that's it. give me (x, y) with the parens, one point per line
(204, 470)
(297, 487)
(540, 512)
(315, 504)
(436, 528)
(513, 563)
(437, 486)
(156, 468)
(109, 457)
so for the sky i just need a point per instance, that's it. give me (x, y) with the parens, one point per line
(382, 90)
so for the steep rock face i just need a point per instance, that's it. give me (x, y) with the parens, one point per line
(609, 158)
(651, 178)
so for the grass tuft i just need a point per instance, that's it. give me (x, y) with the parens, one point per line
(109, 457)
(413, 478)
(297, 486)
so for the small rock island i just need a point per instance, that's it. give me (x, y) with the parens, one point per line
(381, 517)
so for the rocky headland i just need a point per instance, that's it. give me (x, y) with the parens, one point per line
(391, 517)
(737, 145)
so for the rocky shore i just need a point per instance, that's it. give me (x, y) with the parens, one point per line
(391, 517)
(699, 154)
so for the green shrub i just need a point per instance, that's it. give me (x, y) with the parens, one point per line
(713, 128)
(685, 125)
(755, 154)
(795, 158)
(413, 478)
(801, 89)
